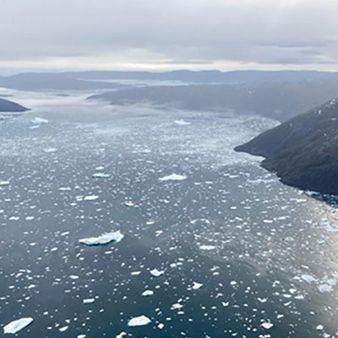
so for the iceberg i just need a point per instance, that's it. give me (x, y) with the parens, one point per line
(173, 177)
(139, 321)
(196, 285)
(17, 325)
(267, 325)
(156, 272)
(114, 236)
(91, 198)
(181, 122)
(100, 175)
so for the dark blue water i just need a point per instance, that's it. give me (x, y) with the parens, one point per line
(240, 254)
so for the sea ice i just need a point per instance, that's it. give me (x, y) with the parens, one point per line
(17, 325)
(139, 321)
(114, 236)
(88, 301)
(207, 247)
(39, 120)
(267, 325)
(156, 272)
(181, 122)
(91, 198)
(173, 177)
(196, 285)
(63, 329)
(100, 175)
(147, 293)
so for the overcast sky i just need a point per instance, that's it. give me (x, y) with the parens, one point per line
(168, 34)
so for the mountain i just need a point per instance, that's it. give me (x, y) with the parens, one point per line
(92, 80)
(7, 106)
(205, 76)
(277, 100)
(53, 81)
(303, 151)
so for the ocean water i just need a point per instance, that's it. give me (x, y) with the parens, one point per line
(213, 245)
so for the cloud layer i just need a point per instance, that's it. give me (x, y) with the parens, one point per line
(161, 34)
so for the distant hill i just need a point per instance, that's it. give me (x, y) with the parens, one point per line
(92, 80)
(304, 150)
(7, 106)
(208, 76)
(53, 81)
(277, 100)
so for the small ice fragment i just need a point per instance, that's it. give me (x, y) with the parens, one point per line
(39, 120)
(156, 272)
(308, 278)
(196, 285)
(100, 175)
(147, 293)
(139, 321)
(91, 198)
(181, 122)
(267, 325)
(207, 247)
(115, 236)
(88, 301)
(4, 183)
(50, 150)
(63, 329)
(173, 177)
(17, 325)
(176, 306)
(121, 335)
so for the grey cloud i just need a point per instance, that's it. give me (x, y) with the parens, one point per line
(260, 31)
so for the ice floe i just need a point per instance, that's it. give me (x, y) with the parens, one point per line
(90, 198)
(139, 321)
(173, 177)
(114, 236)
(100, 175)
(196, 286)
(156, 272)
(17, 325)
(181, 122)
(267, 325)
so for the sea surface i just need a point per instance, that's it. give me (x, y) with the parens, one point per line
(213, 245)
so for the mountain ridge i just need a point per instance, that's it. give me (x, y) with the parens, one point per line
(303, 151)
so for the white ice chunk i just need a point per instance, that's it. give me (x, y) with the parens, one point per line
(173, 177)
(181, 122)
(139, 321)
(308, 278)
(17, 325)
(91, 198)
(121, 335)
(100, 175)
(39, 120)
(147, 293)
(196, 285)
(156, 272)
(267, 325)
(50, 150)
(114, 236)
(88, 301)
(63, 329)
(207, 247)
